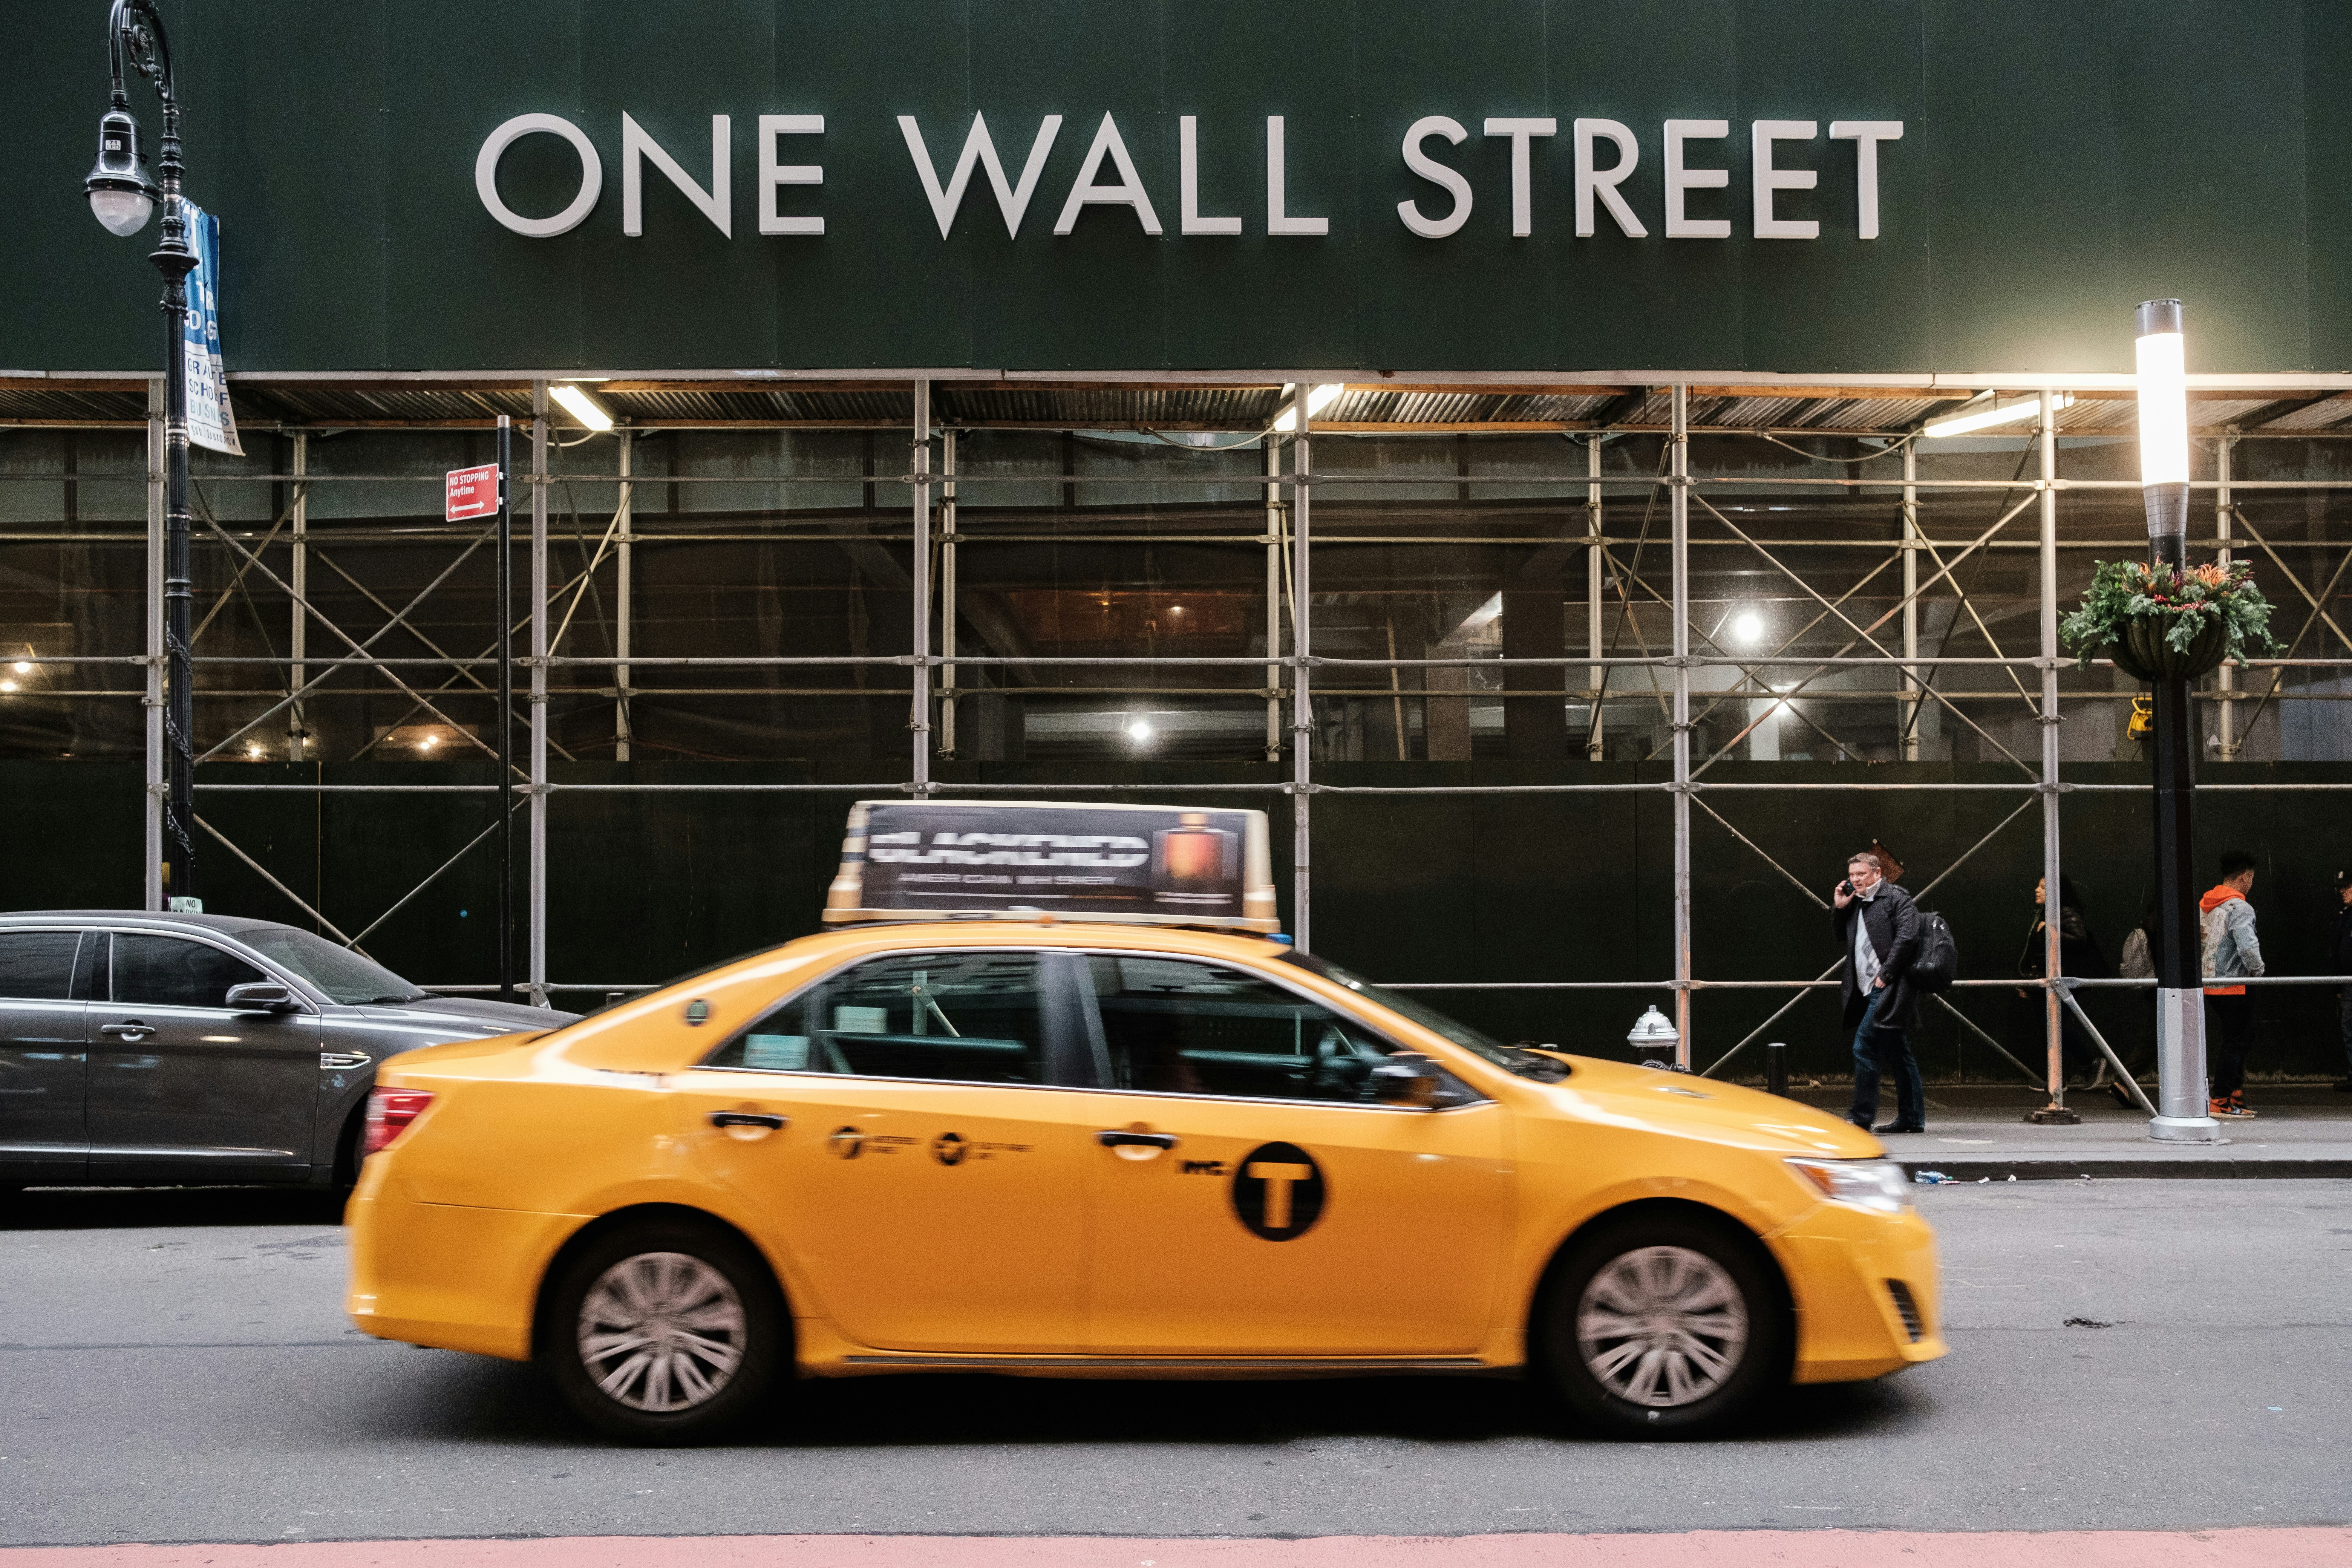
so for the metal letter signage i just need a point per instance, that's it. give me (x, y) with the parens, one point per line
(1551, 188)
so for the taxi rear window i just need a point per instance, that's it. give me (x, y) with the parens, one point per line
(961, 1018)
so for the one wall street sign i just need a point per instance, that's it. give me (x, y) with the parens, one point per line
(1809, 186)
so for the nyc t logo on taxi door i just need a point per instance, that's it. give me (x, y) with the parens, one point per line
(1278, 1192)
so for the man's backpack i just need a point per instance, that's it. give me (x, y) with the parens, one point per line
(1938, 961)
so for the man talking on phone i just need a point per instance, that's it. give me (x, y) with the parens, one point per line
(1878, 927)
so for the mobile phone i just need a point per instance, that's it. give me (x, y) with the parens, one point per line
(1846, 887)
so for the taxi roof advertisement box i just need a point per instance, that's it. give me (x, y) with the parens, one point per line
(1847, 186)
(1152, 865)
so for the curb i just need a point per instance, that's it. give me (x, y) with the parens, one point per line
(2216, 1168)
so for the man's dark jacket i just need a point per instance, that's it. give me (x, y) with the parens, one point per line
(1893, 920)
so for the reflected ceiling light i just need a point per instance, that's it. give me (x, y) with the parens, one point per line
(1991, 410)
(581, 406)
(1140, 731)
(1318, 398)
(22, 668)
(429, 742)
(1747, 625)
(8, 686)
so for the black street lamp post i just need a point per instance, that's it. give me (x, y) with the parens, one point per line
(122, 198)
(2182, 1115)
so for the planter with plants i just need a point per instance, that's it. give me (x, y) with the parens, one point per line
(2164, 623)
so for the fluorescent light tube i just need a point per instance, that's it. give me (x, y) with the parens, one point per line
(1991, 412)
(581, 406)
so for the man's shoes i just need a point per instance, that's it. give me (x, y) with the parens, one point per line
(1896, 1127)
(2123, 1095)
(2231, 1110)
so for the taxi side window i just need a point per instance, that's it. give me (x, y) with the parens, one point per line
(960, 1017)
(1170, 1026)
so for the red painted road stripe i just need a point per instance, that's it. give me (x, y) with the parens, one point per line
(2314, 1548)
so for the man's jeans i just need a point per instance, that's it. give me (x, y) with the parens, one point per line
(1887, 1050)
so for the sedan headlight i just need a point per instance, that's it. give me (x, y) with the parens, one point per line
(1878, 1185)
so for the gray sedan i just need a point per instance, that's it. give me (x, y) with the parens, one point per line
(144, 1049)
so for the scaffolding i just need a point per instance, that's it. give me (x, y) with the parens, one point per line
(1811, 673)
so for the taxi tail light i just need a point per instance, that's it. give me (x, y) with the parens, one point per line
(389, 1112)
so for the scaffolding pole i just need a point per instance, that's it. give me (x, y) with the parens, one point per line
(2053, 1020)
(947, 594)
(1596, 566)
(1678, 484)
(502, 641)
(154, 877)
(919, 720)
(537, 973)
(1273, 597)
(1911, 704)
(1302, 699)
(2223, 449)
(298, 631)
(624, 588)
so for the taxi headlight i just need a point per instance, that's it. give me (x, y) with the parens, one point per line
(1878, 1185)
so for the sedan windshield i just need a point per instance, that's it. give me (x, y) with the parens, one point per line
(344, 975)
(1510, 1058)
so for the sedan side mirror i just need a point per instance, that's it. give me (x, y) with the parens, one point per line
(1405, 1079)
(263, 997)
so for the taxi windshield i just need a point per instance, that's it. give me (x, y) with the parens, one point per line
(1510, 1058)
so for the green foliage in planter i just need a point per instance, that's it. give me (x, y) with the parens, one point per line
(2187, 606)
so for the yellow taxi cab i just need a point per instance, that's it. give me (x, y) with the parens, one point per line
(1055, 1099)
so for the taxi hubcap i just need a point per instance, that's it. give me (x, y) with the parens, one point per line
(661, 1331)
(1662, 1326)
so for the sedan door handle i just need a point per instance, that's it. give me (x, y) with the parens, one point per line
(750, 1119)
(133, 1031)
(1113, 1139)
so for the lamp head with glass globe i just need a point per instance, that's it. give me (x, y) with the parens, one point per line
(120, 191)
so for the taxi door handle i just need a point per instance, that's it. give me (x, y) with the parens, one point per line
(750, 1119)
(1112, 1139)
(135, 1031)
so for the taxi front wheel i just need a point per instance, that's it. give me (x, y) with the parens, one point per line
(1662, 1325)
(664, 1332)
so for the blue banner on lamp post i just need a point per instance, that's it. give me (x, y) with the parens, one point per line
(211, 422)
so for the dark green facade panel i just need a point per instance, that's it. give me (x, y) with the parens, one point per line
(2057, 164)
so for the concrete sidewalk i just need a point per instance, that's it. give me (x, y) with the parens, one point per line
(1978, 1133)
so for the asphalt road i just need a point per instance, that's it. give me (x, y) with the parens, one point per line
(176, 1367)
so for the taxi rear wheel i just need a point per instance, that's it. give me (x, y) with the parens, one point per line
(1663, 1325)
(664, 1332)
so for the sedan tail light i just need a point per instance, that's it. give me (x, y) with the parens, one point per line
(389, 1112)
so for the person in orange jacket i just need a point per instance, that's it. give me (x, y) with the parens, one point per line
(2230, 951)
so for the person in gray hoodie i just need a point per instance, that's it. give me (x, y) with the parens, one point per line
(2231, 952)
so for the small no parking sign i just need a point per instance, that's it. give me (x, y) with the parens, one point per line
(473, 492)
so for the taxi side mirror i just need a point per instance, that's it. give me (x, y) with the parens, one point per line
(1405, 1079)
(262, 996)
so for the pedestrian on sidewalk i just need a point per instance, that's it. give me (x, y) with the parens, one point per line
(1877, 931)
(2079, 956)
(2138, 962)
(2341, 951)
(2229, 952)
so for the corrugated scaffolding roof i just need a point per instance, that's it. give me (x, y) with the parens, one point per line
(266, 402)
